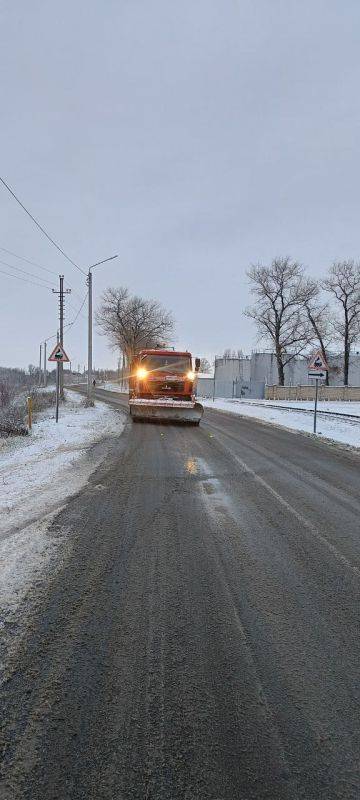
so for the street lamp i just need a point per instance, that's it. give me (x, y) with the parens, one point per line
(89, 283)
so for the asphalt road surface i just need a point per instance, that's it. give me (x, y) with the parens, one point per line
(201, 637)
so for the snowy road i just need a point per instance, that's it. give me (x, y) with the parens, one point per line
(200, 640)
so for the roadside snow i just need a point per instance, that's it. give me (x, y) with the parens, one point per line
(38, 473)
(35, 470)
(323, 405)
(113, 387)
(339, 430)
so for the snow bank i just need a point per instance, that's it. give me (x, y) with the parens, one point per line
(38, 473)
(285, 414)
(114, 387)
(34, 470)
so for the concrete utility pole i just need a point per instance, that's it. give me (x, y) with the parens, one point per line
(45, 366)
(90, 388)
(61, 319)
(40, 366)
(61, 294)
(89, 371)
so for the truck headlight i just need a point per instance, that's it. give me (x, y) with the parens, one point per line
(190, 375)
(141, 373)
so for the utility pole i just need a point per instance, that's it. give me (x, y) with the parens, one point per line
(45, 367)
(61, 293)
(40, 366)
(89, 372)
(90, 387)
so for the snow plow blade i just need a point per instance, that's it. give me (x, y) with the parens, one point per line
(184, 411)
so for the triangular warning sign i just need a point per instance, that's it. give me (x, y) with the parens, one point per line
(58, 354)
(318, 362)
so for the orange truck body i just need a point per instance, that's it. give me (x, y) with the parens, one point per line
(162, 386)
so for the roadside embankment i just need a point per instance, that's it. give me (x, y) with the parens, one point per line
(38, 473)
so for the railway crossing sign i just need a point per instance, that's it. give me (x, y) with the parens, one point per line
(318, 364)
(58, 355)
(318, 369)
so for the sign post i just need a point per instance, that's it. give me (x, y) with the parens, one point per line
(318, 369)
(59, 356)
(29, 409)
(57, 392)
(316, 401)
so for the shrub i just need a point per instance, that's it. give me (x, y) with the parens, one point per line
(12, 419)
(41, 399)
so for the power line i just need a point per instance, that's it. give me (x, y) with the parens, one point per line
(24, 271)
(71, 305)
(70, 324)
(41, 227)
(28, 261)
(78, 312)
(35, 264)
(25, 280)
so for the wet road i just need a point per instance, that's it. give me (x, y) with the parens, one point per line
(201, 637)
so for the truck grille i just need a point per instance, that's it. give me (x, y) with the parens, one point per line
(166, 387)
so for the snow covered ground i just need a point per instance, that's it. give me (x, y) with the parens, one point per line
(113, 387)
(37, 474)
(328, 405)
(285, 414)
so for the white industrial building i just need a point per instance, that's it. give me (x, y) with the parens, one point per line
(247, 376)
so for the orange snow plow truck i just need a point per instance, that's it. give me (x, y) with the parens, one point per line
(162, 387)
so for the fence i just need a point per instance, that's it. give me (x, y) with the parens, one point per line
(207, 387)
(351, 393)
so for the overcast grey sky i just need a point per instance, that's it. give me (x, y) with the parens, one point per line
(191, 137)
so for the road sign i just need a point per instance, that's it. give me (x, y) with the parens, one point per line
(318, 363)
(58, 355)
(318, 369)
(316, 373)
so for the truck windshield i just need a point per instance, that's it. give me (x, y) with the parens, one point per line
(169, 363)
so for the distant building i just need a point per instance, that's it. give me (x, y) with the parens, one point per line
(247, 376)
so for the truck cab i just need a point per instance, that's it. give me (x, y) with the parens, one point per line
(163, 373)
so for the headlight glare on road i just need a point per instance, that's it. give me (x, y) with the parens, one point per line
(141, 373)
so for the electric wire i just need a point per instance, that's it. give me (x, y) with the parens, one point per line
(73, 308)
(24, 271)
(28, 261)
(40, 226)
(39, 266)
(70, 324)
(25, 280)
(79, 310)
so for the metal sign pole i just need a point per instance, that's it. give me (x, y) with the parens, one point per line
(316, 402)
(57, 391)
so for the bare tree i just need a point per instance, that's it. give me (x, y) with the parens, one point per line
(319, 316)
(343, 282)
(205, 365)
(229, 353)
(281, 291)
(132, 323)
